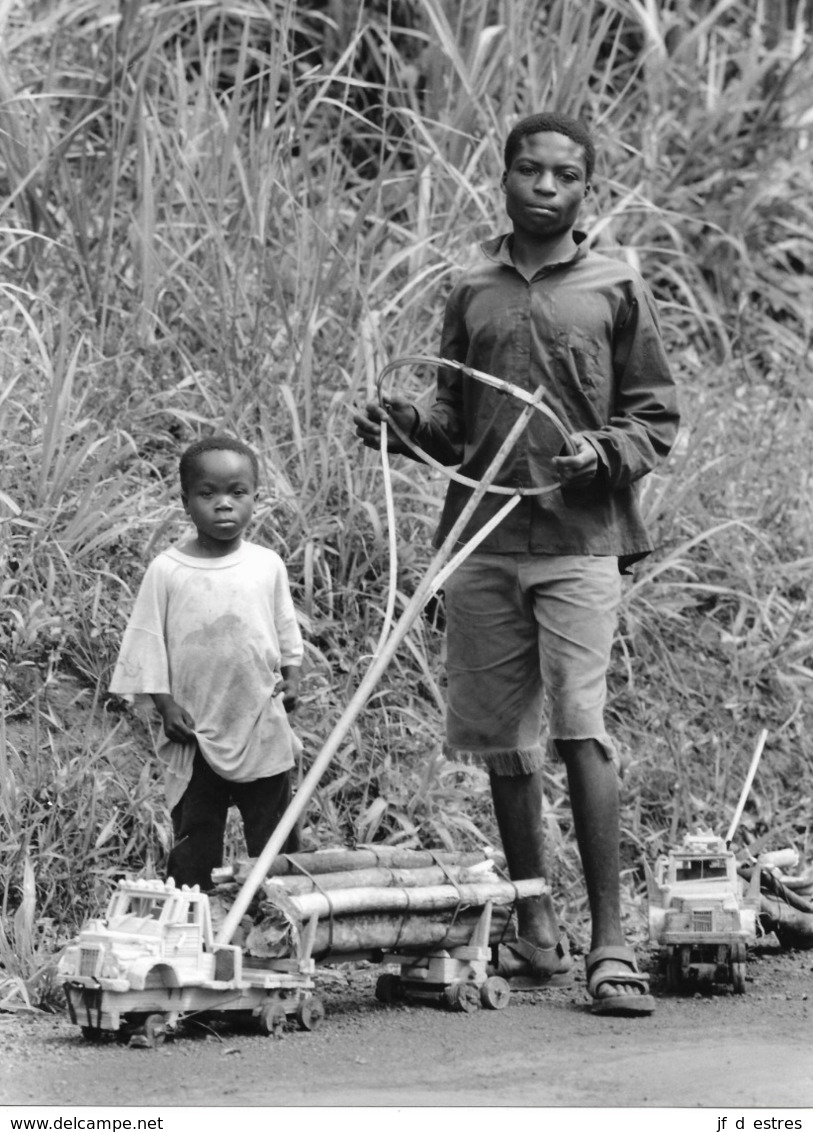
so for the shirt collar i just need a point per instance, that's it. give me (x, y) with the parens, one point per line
(498, 249)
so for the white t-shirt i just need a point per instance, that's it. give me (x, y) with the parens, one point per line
(213, 633)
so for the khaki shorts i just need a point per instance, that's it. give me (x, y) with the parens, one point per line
(523, 629)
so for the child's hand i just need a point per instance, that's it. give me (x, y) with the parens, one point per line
(179, 726)
(289, 688)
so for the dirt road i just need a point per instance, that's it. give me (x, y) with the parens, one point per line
(545, 1049)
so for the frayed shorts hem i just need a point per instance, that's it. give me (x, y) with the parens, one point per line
(515, 761)
(508, 763)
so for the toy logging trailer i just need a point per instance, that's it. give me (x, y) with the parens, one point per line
(457, 978)
(438, 922)
(153, 961)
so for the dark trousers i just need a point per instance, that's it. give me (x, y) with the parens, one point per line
(199, 820)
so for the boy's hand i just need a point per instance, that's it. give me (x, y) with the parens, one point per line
(179, 726)
(289, 688)
(368, 424)
(580, 468)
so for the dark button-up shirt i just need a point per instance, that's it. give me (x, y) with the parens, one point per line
(587, 330)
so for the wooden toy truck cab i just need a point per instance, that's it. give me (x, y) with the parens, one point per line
(699, 915)
(153, 959)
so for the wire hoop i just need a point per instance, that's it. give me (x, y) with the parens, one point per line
(487, 379)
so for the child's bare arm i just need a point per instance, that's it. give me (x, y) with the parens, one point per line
(179, 726)
(289, 688)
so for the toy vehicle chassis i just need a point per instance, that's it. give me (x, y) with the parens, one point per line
(153, 961)
(271, 998)
(691, 965)
(456, 979)
(701, 916)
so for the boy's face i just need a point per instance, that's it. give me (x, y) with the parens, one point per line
(545, 185)
(220, 496)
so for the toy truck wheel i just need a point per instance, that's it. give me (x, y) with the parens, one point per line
(310, 1012)
(151, 1034)
(738, 954)
(272, 1019)
(388, 989)
(462, 997)
(495, 993)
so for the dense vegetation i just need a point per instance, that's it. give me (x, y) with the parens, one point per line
(231, 215)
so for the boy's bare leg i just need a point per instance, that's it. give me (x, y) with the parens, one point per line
(593, 783)
(518, 809)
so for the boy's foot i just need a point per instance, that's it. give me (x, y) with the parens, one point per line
(615, 983)
(528, 966)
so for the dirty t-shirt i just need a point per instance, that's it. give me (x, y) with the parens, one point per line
(214, 633)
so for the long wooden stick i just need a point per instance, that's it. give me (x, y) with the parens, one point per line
(368, 683)
(359, 936)
(373, 878)
(425, 898)
(321, 862)
(749, 778)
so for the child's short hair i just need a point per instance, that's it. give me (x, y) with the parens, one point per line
(216, 443)
(552, 123)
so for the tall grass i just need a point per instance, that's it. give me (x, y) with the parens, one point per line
(230, 216)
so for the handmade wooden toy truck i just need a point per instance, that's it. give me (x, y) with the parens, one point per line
(698, 916)
(698, 913)
(153, 960)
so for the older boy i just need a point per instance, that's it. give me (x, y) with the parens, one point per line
(534, 609)
(213, 639)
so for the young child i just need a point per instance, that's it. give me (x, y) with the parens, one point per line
(213, 640)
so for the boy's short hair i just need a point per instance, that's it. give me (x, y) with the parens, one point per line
(556, 124)
(216, 443)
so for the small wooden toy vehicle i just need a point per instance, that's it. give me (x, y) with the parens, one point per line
(153, 959)
(456, 978)
(699, 915)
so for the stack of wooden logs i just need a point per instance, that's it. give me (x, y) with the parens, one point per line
(373, 899)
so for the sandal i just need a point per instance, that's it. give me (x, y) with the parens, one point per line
(529, 967)
(629, 1003)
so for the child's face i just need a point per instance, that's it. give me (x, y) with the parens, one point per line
(546, 184)
(220, 497)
